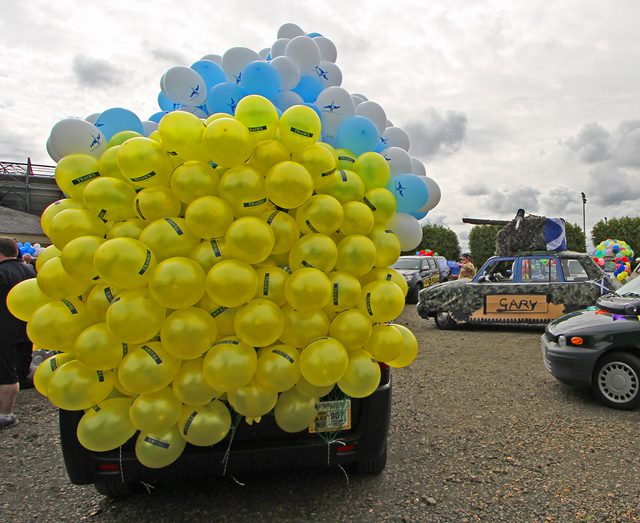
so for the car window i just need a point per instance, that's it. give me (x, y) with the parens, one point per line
(432, 263)
(573, 271)
(539, 270)
(407, 263)
(499, 271)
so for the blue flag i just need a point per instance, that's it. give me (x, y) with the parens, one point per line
(556, 235)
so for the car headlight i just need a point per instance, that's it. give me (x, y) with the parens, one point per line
(408, 277)
(562, 341)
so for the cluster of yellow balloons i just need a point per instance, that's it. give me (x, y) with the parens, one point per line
(233, 262)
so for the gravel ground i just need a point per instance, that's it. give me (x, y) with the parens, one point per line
(480, 432)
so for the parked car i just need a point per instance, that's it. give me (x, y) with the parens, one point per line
(419, 272)
(532, 287)
(599, 347)
(347, 432)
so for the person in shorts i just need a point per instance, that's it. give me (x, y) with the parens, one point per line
(15, 347)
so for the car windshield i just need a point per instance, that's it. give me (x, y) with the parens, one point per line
(631, 289)
(407, 263)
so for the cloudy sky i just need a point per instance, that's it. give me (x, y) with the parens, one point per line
(508, 104)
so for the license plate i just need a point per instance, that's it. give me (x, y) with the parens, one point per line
(332, 415)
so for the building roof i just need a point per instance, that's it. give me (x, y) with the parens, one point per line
(14, 222)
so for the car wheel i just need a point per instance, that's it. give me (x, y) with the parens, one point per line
(444, 321)
(118, 489)
(616, 381)
(373, 466)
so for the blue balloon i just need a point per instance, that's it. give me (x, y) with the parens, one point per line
(211, 72)
(309, 88)
(418, 215)
(114, 120)
(359, 135)
(381, 147)
(314, 108)
(166, 104)
(260, 78)
(156, 117)
(313, 35)
(410, 191)
(223, 98)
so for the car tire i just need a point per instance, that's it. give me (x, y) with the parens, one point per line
(616, 381)
(118, 489)
(373, 466)
(444, 321)
(413, 295)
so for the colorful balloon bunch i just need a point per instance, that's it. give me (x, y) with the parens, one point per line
(427, 252)
(228, 262)
(620, 252)
(27, 248)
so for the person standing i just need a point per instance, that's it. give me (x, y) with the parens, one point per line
(467, 269)
(15, 347)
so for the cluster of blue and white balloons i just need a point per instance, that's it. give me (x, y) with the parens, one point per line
(298, 69)
(26, 248)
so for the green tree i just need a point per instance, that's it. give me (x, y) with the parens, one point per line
(438, 239)
(625, 228)
(576, 239)
(482, 242)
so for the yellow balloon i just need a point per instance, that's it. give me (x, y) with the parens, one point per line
(74, 172)
(313, 250)
(55, 208)
(130, 228)
(259, 115)
(409, 351)
(323, 361)
(188, 333)
(77, 258)
(266, 154)
(47, 368)
(108, 166)
(99, 298)
(229, 364)
(181, 133)
(124, 262)
(193, 180)
(25, 298)
(227, 142)
(362, 376)
(134, 316)
(374, 170)
(308, 290)
(299, 127)
(250, 239)
(169, 237)
(312, 391)
(381, 301)
(259, 323)
(50, 252)
(383, 204)
(345, 291)
(76, 387)
(73, 223)
(144, 162)
(231, 283)
(358, 219)
(153, 203)
(346, 159)
(177, 283)
(252, 400)
(285, 229)
(148, 368)
(387, 246)
(106, 426)
(54, 281)
(121, 137)
(278, 368)
(271, 282)
(351, 328)
(333, 152)
(386, 343)
(57, 324)
(385, 274)
(294, 411)
(344, 186)
(319, 161)
(205, 425)
(160, 449)
(97, 349)
(109, 199)
(320, 214)
(356, 255)
(155, 411)
(302, 327)
(189, 385)
(209, 252)
(288, 184)
(224, 316)
(243, 188)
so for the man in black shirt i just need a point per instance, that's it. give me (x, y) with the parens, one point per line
(15, 347)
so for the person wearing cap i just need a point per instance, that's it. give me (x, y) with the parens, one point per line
(467, 269)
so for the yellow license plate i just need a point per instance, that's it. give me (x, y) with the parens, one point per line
(332, 415)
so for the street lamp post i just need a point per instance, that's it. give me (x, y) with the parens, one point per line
(584, 201)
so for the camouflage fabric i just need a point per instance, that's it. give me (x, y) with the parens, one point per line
(530, 236)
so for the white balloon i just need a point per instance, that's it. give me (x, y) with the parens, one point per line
(193, 110)
(285, 99)
(364, 98)
(163, 89)
(407, 229)
(389, 123)
(73, 135)
(417, 167)
(234, 60)
(375, 113)
(54, 155)
(335, 105)
(328, 49)
(304, 52)
(434, 194)
(356, 100)
(289, 72)
(214, 58)
(329, 74)
(278, 47)
(148, 127)
(396, 137)
(264, 53)
(92, 118)
(185, 86)
(289, 31)
(398, 160)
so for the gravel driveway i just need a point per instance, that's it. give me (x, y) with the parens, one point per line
(480, 432)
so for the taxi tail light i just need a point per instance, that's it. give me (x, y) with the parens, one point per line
(346, 448)
(108, 467)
